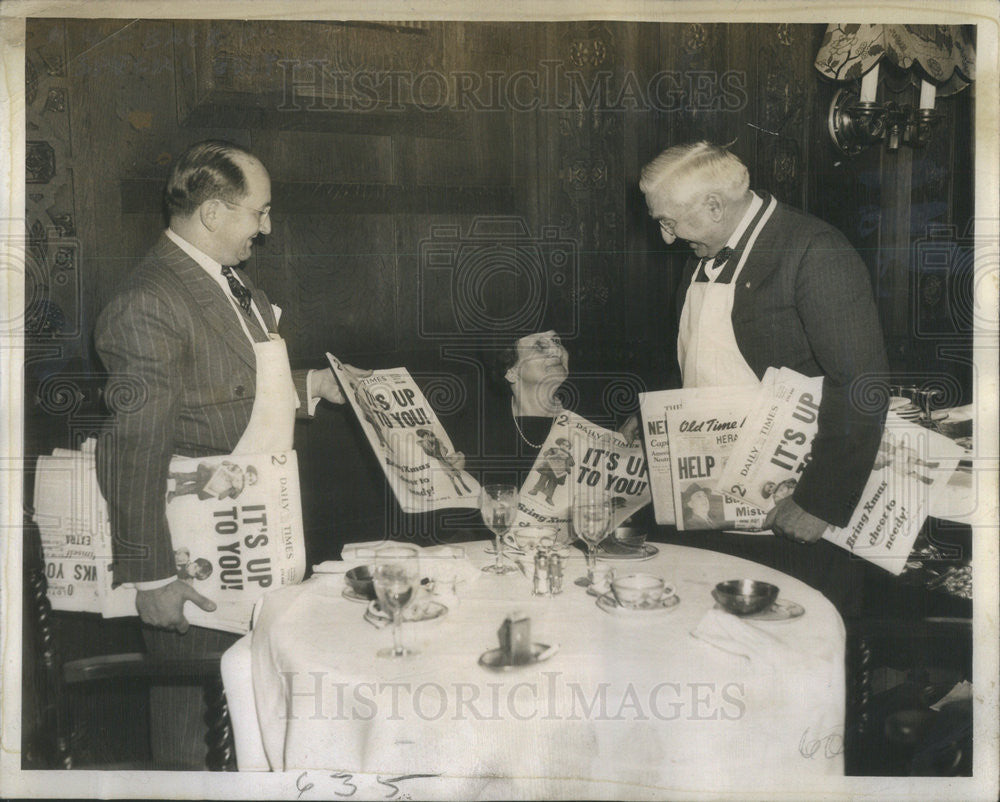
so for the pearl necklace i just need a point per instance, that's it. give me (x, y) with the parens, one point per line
(517, 426)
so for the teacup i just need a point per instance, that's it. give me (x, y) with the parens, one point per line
(639, 591)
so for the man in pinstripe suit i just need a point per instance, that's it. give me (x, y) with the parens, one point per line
(174, 332)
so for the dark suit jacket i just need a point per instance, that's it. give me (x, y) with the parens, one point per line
(181, 381)
(804, 301)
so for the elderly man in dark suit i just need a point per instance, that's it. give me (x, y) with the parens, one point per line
(197, 340)
(771, 285)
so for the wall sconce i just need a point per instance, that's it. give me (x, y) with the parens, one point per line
(851, 53)
(855, 122)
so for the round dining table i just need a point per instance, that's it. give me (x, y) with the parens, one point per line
(684, 698)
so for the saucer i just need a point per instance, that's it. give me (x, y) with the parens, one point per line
(609, 604)
(494, 658)
(780, 610)
(610, 550)
(351, 595)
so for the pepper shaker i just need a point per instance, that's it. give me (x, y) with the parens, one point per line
(555, 574)
(541, 578)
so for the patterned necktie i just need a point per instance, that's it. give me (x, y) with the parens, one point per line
(240, 293)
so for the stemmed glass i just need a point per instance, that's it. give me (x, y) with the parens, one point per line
(396, 575)
(532, 538)
(498, 504)
(591, 521)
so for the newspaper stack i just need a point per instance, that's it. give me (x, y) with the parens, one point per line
(723, 457)
(235, 523)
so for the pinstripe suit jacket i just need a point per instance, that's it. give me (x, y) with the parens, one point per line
(803, 300)
(181, 381)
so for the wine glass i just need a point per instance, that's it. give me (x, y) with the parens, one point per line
(396, 575)
(591, 520)
(498, 504)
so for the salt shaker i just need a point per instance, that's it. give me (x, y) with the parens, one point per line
(555, 574)
(541, 578)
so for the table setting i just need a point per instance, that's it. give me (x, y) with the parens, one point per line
(682, 669)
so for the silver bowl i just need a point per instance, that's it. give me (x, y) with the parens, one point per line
(745, 596)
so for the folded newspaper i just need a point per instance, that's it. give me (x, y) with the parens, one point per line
(412, 446)
(912, 467)
(576, 458)
(235, 523)
(701, 427)
(724, 459)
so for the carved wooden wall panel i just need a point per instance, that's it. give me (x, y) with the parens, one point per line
(53, 314)
(363, 195)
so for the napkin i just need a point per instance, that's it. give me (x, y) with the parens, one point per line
(761, 648)
(352, 554)
(446, 565)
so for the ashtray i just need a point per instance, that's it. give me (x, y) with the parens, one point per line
(495, 660)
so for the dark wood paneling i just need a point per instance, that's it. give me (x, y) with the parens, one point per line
(143, 196)
(360, 193)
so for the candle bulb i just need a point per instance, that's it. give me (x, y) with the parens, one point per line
(927, 94)
(869, 85)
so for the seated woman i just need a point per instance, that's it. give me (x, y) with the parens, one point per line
(530, 379)
(498, 440)
(524, 381)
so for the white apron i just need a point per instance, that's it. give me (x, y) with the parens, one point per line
(272, 418)
(707, 351)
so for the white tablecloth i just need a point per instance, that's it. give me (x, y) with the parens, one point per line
(631, 705)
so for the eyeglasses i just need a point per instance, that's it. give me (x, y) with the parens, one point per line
(262, 214)
(669, 226)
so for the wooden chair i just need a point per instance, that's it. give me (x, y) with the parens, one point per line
(56, 682)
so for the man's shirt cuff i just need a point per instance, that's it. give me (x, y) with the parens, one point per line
(312, 400)
(153, 584)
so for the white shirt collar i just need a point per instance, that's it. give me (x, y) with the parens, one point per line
(207, 263)
(711, 269)
(214, 269)
(755, 203)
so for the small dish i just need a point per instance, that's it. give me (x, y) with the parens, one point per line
(351, 595)
(494, 658)
(612, 550)
(360, 580)
(425, 610)
(608, 604)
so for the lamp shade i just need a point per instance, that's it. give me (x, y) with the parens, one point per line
(939, 53)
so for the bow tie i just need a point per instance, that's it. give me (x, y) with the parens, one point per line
(723, 256)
